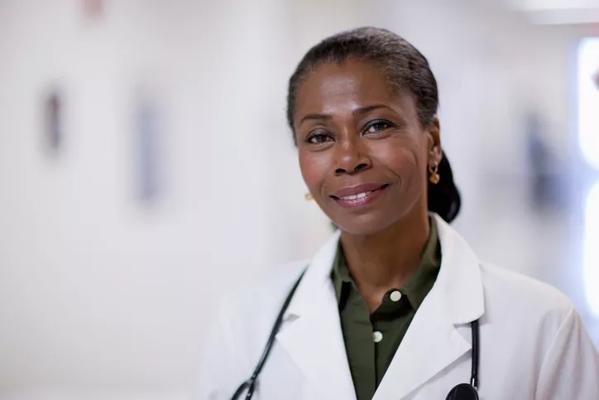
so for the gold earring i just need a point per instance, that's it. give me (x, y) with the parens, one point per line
(433, 169)
(308, 196)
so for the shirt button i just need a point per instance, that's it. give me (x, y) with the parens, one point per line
(395, 296)
(377, 336)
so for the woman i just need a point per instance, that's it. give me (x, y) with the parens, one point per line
(392, 305)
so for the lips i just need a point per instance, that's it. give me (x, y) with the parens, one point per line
(360, 195)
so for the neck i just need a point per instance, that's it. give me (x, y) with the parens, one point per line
(385, 259)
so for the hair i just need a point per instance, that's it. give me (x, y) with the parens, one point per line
(405, 68)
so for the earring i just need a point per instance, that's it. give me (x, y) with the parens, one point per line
(308, 196)
(433, 169)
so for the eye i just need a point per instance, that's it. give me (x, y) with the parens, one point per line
(318, 137)
(377, 126)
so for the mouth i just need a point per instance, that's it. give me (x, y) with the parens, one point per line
(359, 196)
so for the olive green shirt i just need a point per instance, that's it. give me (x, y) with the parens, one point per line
(372, 339)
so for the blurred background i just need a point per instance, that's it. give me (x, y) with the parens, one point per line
(145, 160)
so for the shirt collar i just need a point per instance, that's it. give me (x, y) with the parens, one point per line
(417, 286)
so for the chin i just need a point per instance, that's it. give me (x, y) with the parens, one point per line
(362, 225)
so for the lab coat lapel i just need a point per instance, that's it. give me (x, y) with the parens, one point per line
(312, 335)
(432, 341)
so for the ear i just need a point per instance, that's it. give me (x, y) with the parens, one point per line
(433, 133)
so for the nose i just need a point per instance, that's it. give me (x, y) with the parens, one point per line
(351, 157)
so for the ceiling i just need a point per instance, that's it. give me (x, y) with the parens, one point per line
(560, 12)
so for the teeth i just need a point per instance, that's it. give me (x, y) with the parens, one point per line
(356, 196)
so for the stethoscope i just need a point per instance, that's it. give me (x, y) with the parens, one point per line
(462, 391)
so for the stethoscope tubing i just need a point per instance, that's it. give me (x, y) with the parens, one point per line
(251, 382)
(475, 329)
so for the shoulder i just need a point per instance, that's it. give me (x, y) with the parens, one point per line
(268, 287)
(502, 289)
(504, 295)
(515, 289)
(514, 301)
(240, 328)
(250, 310)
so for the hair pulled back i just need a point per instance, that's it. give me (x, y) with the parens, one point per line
(405, 68)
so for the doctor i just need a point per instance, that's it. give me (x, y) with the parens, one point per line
(385, 309)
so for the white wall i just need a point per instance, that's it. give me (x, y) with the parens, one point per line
(104, 297)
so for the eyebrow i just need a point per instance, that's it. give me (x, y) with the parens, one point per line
(315, 117)
(366, 109)
(361, 110)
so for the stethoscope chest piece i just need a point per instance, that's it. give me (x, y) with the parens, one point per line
(463, 391)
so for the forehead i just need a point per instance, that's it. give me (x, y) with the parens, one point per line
(349, 84)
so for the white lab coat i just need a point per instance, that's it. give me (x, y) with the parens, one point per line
(532, 342)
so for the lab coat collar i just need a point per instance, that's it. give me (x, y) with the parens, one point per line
(313, 338)
(432, 341)
(312, 335)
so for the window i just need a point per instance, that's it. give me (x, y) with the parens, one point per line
(588, 139)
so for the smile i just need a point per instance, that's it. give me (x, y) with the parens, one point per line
(358, 196)
(355, 196)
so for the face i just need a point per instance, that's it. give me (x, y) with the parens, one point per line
(362, 150)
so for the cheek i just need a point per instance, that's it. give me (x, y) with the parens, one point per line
(404, 159)
(313, 167)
